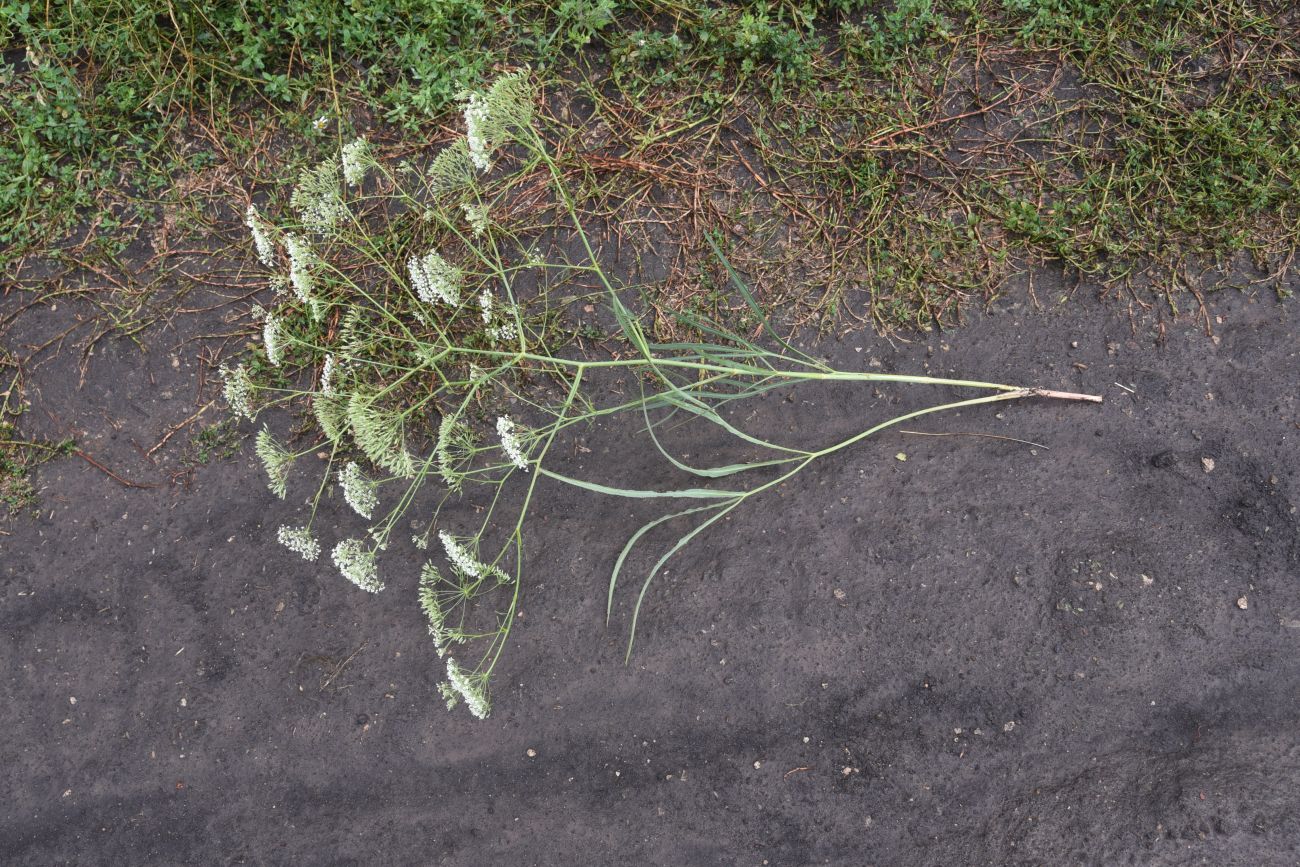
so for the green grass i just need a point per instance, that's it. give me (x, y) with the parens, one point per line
(895, 159)
(18, 456)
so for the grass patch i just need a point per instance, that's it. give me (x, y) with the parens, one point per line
(18, 456)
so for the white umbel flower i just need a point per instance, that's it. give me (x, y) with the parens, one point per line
(453, 441)
(358, 491)
(460, 557)
(485, 305)
(276, 459)
(476, 216)
(238, 390)
(477, 119)
(357, 565)
(261, 240)
(510, 443)
(273, 339)
(302, 259)
(356, 159)
(316, 198)
(300, 541)
(327, 375)
(470, 687)
(430, 578)
(435, 279)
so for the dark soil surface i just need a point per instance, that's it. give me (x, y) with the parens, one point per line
(990, 653)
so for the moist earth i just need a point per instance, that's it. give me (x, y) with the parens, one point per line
(1078, 649)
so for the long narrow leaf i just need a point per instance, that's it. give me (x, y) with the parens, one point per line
(708, 472)
(645, 586)
(684, 493)
(631, 543)
(753, 303)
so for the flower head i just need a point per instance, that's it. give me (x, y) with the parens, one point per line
(302, 260)
(316, 197)
(276, 459)
(476, 216)
(471, 687)
(272, 339)
(238, 391)
(434, 278)
(357, 565)
(454, 441)
(300, 541)
(510, 442)
(461, 559)
(358, 491)
(356, 159)
(327, 375)
(477, 120)
(430, 578)
(261, 241)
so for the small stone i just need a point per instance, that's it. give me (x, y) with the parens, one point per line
(1207, 464)
(1009, 727)
(805, 739)
(901, 456)
(72, 699)
(757, 765)
(839, 594)
(531, 753)
(1147, 580)
(1243, 603)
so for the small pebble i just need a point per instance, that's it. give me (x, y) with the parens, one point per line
(1009, 727)
(532, 753)
(1207, 464)
(1243, 603)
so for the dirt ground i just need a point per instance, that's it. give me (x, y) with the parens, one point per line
(1083, 652)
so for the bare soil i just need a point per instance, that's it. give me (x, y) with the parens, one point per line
(1083, 652)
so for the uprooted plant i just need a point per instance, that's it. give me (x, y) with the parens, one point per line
(419, 303)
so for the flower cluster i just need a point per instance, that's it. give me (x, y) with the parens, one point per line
(316, 198)
(238, 390)
(510, 442)
(467, 686)
(430, 578)
(503, 333)
(356, 159)
(434, 278)
(358, 491)
(357, 565)
(452, 438)
(261, 240)
(302, 260)
(476, 216)
(461, 559)
(276, 459)
(477, 119)
(272, 339)
(300, 541)
(327, 375)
